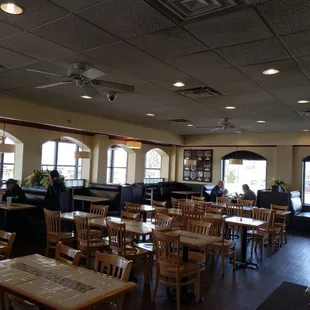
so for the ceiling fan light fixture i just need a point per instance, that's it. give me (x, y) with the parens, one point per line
(271, 71)
(86, 97)
(11, 8)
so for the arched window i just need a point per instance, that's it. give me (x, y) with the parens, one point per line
(6, 161)
(306, 179)
(117, 166)
(152, 164)
(252, 172)
(60, 155)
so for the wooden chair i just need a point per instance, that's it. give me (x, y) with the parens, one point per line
(67, 255)
(86, 242)
(6, 243)
(119, 245)
(160, 207)
(260, 236)
(116, 267)
(202, 206)
(170, 270)
(191, 215)
(130, 216)
(223, 200)
(223, 248)
(99, 210)
(162, 204)
(187, 206)
(132, 207)
(233, 209)
(175, 202)
(198, 198)
(54, 234)
(215, 210)
(161, 210)
(280, 221)
(246, 203)
(162, 220)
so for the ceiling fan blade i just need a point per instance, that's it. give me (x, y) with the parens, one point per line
(43, 72)
(90, 91)
(54, 84)
(93, 73)
(117, 86)
(215, 129)
(245, 126)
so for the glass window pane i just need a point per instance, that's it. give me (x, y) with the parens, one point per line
(152, 173)
(8, 172)
(252, 172)
(109, 161)
(120, 158)
(66, 154)
(307, 183)
(153, 160)
(119, 176)
(108, 175)
(8, 141)
(48, 153)
(67, 172)
(8, 158)
(49, 168)
(79, 176)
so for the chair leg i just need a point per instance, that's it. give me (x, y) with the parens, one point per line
(178, 295)
(223, 263)
(261, 249)
(197, 288)
(156, 284)
(272, 245)
(252, 247)
(285, 237)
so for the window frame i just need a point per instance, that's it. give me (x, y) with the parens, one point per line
(303, 179)
(153, 169)
(55, 166)
(110, 177)
(2, 163)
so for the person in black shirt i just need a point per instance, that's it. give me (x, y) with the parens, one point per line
(13, 190)
(218, 191)
(52, 200)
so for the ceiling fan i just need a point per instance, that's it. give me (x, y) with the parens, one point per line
(85, 77)
(225, 124)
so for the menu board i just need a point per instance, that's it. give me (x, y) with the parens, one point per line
(197, 166)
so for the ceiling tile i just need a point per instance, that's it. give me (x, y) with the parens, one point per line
(153, 71)
(119, 76)
(305, 63)
(44, 67)
(199, 62)
(290, 96)
(287, 16)
(120, 54)
(228, 81)
(10, 59)
(36, 13)
(126, 19)
(74, 5)
(290, 75)
(254, 52)
(230, 29)
(298, 43)
(168, 43)
(75, 33)
(7, 30)
(31, 45)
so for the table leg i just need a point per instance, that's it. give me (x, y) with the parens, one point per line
(144, 216)
(83, 205)
(2, 299)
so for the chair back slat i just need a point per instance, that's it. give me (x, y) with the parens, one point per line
(161, 210)
(198, 198)
(223, 200)
(162, 204)
(117, 237)
(132, 207)
(199, 227)
(99, 210)
(7, 240)
(234, 209)
(67, 255)
(82, 229)
(53, 223)
(246, 203)
(202, 206)
(266, 215)
(187, 206)
(214, 210)
(130, 216)
(163, 220)
(191, 215)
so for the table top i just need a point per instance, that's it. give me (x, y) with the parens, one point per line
(16, 206)
(244, 221)
(137, 228)
(90, 198)
(57, 285)
(185, 192)
(193, 240)
(147, 208)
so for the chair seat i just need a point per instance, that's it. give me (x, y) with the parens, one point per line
(65, 236)
(93, 244)
(186, 269)
(196, 257)
(227, 244)
(133, 251)
(258, 233)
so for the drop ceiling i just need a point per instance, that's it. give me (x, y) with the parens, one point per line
(137, 42)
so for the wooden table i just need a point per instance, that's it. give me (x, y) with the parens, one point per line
(136, 228)
(174, 212)
(186, 193)
(145, 209)
(90, 199)
(244, 222)
(54, 285)
(13, 207)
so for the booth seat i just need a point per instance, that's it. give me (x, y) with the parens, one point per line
(300, 213)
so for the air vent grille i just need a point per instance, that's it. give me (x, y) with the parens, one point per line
(178, 121)
(305, 114)
(200, 92)
(190, 10)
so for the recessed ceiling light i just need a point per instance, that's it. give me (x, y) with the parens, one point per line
(11, 8)
(238, 131)
(306, 130)
(230, 108)
(178, 84)
(150, 114)
(261, 122)
(271, 71)
(303, 101)
(86, 97)
(190, 125)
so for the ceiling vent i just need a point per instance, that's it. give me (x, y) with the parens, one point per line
(305, 114)
(200, 92)
(190, 10)
(178, 121)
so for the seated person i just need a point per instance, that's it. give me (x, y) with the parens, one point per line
(248, 194)
(13, 190)
(218, 191)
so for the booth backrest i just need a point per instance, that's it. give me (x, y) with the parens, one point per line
(295, 202)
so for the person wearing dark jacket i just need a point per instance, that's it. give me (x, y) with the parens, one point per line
(52, 200)
(218, 191)
(13, 190)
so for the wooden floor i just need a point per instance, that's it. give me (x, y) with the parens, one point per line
(242, 290)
